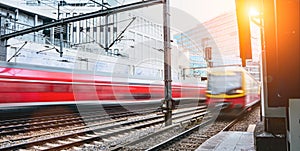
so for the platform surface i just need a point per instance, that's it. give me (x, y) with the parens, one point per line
(229, 141)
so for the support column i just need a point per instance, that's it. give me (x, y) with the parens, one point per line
(35, 24)
(168, 102)
(3, 50)
(60, 32)
(3, 43)
(106, 34)
(52, 34)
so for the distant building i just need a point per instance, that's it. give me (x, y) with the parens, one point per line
(220, 34)
(139, 51)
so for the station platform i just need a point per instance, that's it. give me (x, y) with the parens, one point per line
(229, 141)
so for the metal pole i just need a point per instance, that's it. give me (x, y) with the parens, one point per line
(3, 48)
(60, 33)
(35, 24)
(168, 102)
(106, 34)
(105, 30)
(16, 53)
(3, 43)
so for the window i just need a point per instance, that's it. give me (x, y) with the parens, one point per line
(116, 52)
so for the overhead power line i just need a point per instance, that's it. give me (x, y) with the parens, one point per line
(108, 11)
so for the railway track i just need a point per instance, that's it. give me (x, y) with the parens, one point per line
(63, 119)
(192, 138)
(23, 129)
(101, 131)
(15, 126)
(189, 139)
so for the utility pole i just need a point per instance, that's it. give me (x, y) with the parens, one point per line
(3, 43)
(168, 101)
(105, 29)
(60, 31)
(106, 34)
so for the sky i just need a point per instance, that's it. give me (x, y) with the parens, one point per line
(204, 10)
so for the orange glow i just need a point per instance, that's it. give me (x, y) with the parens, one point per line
(253, 12)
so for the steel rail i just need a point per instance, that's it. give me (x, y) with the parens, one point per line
(169, 142)
(179, 136)
(139, 125)
(240, 116)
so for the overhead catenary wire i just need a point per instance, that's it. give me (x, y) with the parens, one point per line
(114, 10)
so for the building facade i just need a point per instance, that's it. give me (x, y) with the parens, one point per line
(127, 43)
(220, 35)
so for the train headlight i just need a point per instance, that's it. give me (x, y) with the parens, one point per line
(208, 91)
(239, 91)
(235, 91)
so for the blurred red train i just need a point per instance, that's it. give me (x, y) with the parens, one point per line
(25, 85)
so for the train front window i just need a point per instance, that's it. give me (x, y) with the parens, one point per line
(224, 84)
